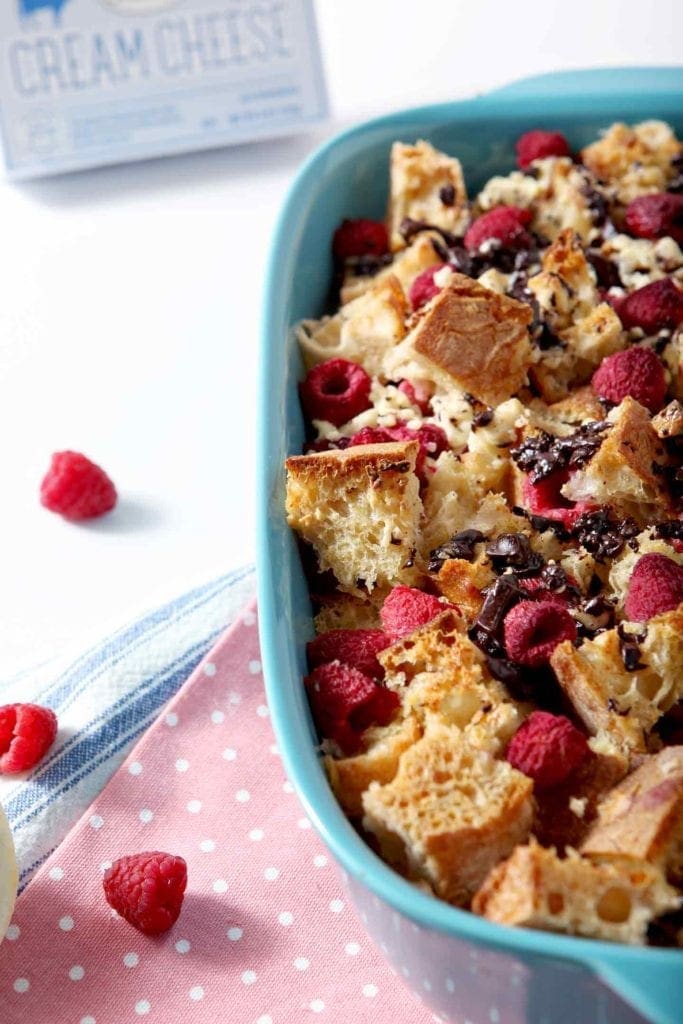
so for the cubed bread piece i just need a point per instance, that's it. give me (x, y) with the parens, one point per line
(565, 812)
(425, 185)
(620, 474)
(487, 458)
(450, 813)
(360, 509)
(642, 817)
(361, 331)
(535, 889)
(634, 161)
(566, 287)
(669, 421)
(450, 501)
(640, 261)
(607, 697)
(405, 267)
(384, 744)
(477, 338)
(582, 405)
(594, 337)
(462, 582)
(345, 611)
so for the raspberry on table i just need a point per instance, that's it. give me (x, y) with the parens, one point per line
(27, 731)
(656, 216)
(345, 702)
(147, 889)
(504, 224)
(355, 647)
(547, 748)
(407, 608)
(424, 287)
(76, 488)
(538, 144)
(533, 629)
(359, 237)
(656, 586)
(336, 391)
(654, 307)
(638, 372)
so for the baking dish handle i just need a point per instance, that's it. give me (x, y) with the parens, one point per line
(595, 81)
(654, 990)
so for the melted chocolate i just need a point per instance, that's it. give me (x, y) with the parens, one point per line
(602, 536)
(513, 551)
(447, 195)
(629, 648)
(543, 454)
(462, 545)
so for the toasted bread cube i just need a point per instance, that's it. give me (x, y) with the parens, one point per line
(462, 582)
(634, 161)
(642, 817)
(620, 473)
(351, 776)
(450, 813)
(345, 611)
(478, 338)
(420, 255)
(362, 331)
(594, 337)
(535, 889)
(441, 645)
(360, 509)
(566, 287)
(425, 185)
(581, 406)
(565, 812)
(669, 421)
(607, 697)
(640, 261)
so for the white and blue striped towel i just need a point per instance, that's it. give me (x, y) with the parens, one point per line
(104, 701)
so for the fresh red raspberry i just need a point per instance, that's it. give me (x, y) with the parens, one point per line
(336, 391)
(345, 702)
(76, 488)
(418, 394)
(547, 748)
(654, 307)
(359, 238)
(432, 440)
(407, 608)
(545, 498)
(147, 889)
(656, 585)
(27, 731)
(504, 223)
(656, 216)
(423, 287)
(637, 372)
(533, 629)
(537, 144)
(539, 591)
(355, 647)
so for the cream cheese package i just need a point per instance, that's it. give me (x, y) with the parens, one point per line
(89, 82)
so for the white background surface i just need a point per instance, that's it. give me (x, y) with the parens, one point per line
(130, 306)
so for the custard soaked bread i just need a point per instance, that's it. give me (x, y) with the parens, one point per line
(491, 500)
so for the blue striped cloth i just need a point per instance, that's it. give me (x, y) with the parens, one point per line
(104, 700)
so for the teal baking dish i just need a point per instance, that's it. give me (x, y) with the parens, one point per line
(465, 968)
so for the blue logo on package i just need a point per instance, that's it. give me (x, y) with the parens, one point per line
(27, 7)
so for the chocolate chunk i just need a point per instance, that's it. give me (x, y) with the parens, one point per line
(629, 649)
(462, 545)
(605, 271)
(487, 628)
(602, 535)
(670, 529)
(482, 418)
(447, 195)
(544, 454)
(515, 677)
(513, 551)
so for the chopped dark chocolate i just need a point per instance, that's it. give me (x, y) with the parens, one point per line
(543, 454)
(605, 271)
(462, 545)
(513, 551)
(629, 648)
(447, 195)
(602, 535)
(487, 629)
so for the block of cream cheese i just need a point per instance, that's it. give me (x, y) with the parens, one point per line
(88, 82)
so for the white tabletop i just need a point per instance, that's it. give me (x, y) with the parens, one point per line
(129, 317)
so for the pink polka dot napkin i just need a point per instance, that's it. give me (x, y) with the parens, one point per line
(266, 935)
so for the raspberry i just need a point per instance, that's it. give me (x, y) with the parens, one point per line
(656, 216)
(432, 440)
(533, 629)
(536, 588)
(355, 647)
(504, 223)
(406, 608)
(654, 307)
(335, 391)
(544, 498)
(656, 585)
(536, 145)
(147, 889)
(637, 372)
(547, 748)
(345, 702)
(418, 394)
(76, 488)
(423, 287)
(27, 731)
(359, 238)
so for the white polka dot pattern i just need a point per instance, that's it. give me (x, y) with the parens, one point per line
(266, 929)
